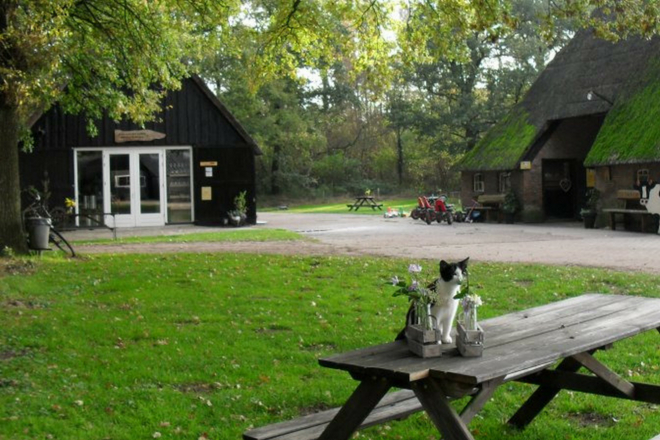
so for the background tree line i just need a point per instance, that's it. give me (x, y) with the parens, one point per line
(331, 130)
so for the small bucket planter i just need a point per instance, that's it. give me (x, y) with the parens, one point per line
(38, 229)
(422, 342)
(470, 343)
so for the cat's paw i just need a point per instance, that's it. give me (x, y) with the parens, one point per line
(447, 340)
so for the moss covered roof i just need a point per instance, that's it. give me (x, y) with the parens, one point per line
(503, 145)
(626, 72)
(631, 130)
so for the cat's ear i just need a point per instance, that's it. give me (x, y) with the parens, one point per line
(443, 264)
(463, 264)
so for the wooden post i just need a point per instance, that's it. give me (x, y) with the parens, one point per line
(437, 406)
(604, 373)
(477, 402)
(364, 399)
(541, 397)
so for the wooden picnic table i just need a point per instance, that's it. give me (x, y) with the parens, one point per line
(520, 346)
(367, 201)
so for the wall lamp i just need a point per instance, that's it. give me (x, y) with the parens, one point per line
(591, 95)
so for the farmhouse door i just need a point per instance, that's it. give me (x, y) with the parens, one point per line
(134, 187)
(562, 184)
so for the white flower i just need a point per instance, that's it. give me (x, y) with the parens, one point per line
(472, 300)
(395, 280)
(414, 268)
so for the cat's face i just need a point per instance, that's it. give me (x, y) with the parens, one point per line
(454, 272)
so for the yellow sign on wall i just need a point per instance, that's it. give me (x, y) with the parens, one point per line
(591, 177)
(525, 165)
(206, 193)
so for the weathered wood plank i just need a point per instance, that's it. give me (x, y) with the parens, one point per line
(620, 322)
(500, 331)
(607, 375)
(593, 385)
(394, 406)
(477, 402)
(356, 409)
(538, 350)
(541, 397)
(443, 415)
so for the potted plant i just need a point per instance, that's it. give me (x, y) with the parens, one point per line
(422, 335)
(510, 206)
(238, 215)
(590, 208)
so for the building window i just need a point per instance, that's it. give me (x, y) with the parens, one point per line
(505, 182)
(478, 184)
(643, 175)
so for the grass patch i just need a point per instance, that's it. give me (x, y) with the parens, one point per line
(339, 207)
(225, 235)
(208, 345)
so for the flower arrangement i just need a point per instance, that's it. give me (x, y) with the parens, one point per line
(69, 204)
(419, 293)
(469, 303)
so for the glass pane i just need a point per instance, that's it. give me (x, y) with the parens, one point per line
(149, 183)
(120, 184)
(179, 204)
(90, 187)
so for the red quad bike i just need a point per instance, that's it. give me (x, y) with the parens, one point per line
(438, 211)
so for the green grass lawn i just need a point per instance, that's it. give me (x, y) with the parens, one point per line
(224, 235)
(339, 207)
(183, 346)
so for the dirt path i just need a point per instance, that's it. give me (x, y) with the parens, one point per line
(558, 244)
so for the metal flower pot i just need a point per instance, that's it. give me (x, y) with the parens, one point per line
(38, 229)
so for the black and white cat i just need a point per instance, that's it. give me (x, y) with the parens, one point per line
(447, 286)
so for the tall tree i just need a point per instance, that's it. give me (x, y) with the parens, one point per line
(120, 57)
(90, 56)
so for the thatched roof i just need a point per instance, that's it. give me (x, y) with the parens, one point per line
(626, 73)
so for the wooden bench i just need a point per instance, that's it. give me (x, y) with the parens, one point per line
(394, 406)
(612, 213)
(491, 205)
(628, 201)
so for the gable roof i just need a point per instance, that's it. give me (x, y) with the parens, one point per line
(614, 70)
(227, 114)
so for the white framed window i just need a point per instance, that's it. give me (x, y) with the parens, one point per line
(478, 183)
(504, 182)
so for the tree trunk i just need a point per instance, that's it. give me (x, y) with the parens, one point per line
(11, 225)
(399, 150)
(275, 188)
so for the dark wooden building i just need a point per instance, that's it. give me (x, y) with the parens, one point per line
(186, 167)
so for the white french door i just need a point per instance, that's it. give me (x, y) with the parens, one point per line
(134, 187)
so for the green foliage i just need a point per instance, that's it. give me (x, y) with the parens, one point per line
(208, 345)
(591, 202)
(240, 202)
(511, 204)
(630, 132)
(503, 145)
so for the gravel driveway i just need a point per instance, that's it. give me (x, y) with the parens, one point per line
(338, 234)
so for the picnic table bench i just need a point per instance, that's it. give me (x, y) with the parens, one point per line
(646, 217)
(520, 346)
(628, 203)
(366, 201)
(491, 205)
